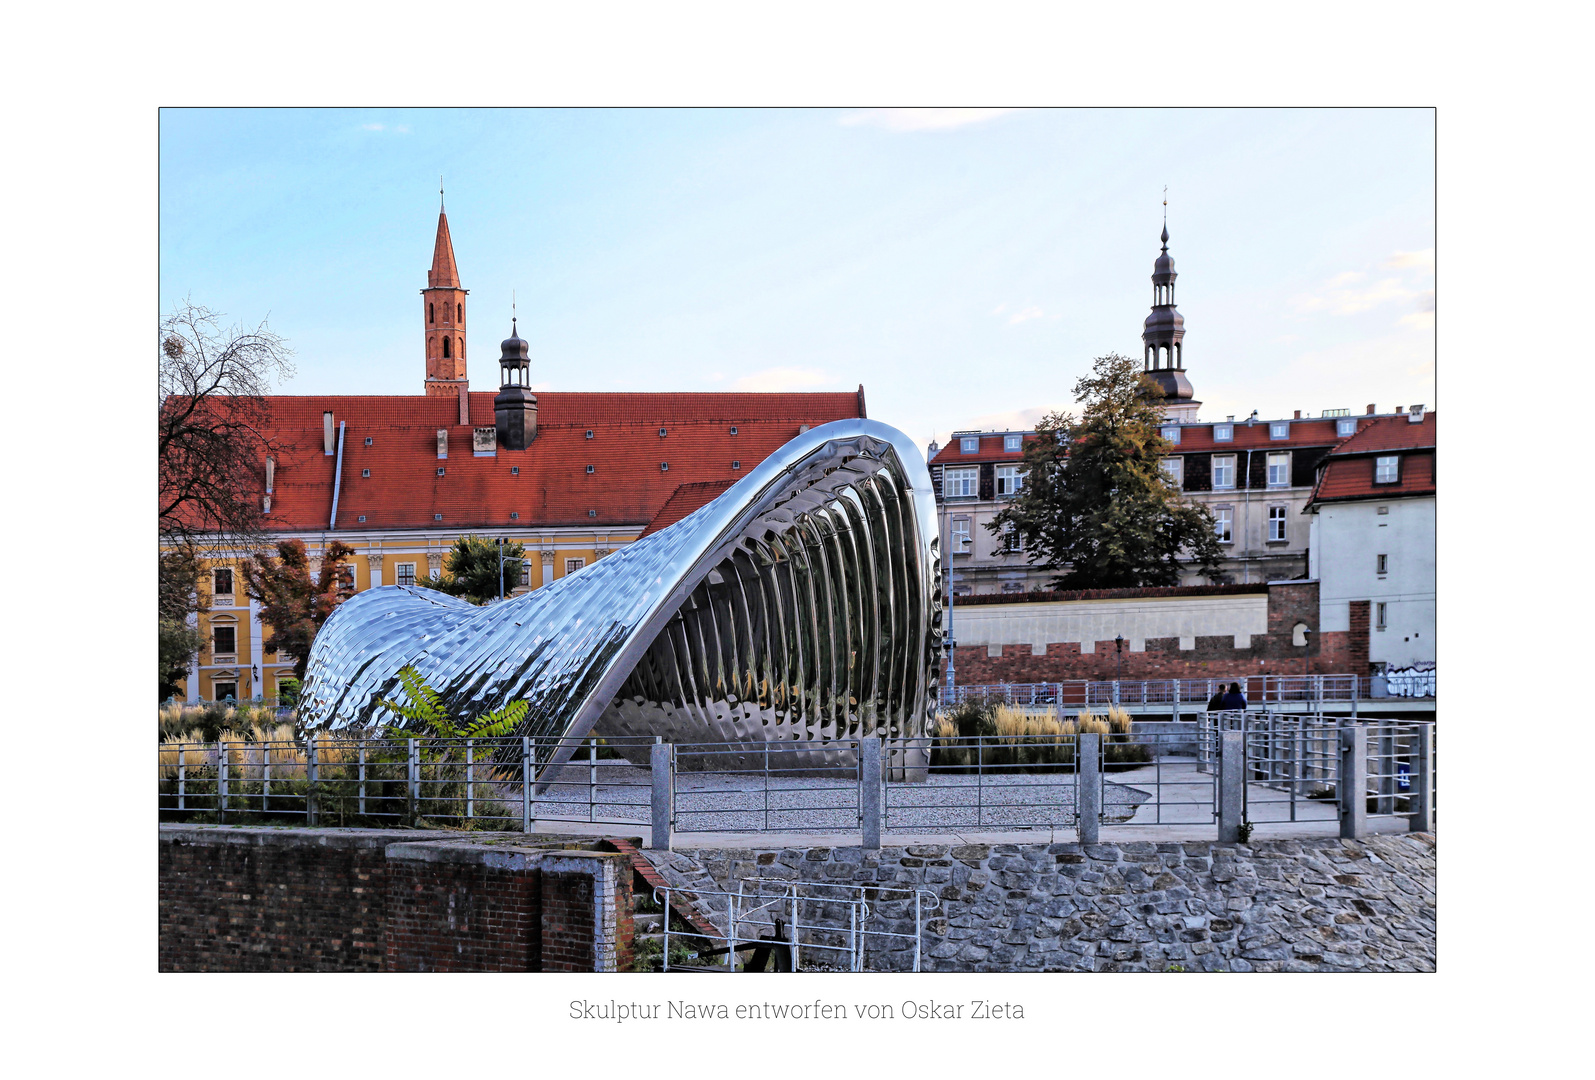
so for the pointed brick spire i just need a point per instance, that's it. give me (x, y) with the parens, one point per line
(444, 274)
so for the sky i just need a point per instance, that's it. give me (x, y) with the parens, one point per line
(964, 265)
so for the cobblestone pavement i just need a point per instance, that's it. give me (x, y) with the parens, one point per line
(1320, 904)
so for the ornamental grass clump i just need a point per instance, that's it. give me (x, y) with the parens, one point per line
(978, 737)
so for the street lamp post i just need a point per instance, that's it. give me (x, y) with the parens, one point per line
(1118, 655)
(501, 557)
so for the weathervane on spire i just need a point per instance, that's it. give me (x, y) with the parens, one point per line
(440, 194)
(512, 311)
(1165, 217)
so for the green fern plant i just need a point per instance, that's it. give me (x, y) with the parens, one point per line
(425, 716)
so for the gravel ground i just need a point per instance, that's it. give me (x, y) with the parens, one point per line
(743, 802)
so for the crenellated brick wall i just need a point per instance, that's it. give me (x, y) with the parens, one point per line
(1209, 657)
(241, 899)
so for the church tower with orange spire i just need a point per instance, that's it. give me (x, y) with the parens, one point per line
(443, 308)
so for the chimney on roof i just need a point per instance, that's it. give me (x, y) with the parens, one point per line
(465, 404)
(1398, 410)
(326, 432)
(1298, 414)
(1416, 415)
(1371, 409)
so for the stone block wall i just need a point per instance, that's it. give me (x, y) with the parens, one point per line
(1279, 905)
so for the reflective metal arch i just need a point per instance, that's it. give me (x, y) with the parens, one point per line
(802, 604)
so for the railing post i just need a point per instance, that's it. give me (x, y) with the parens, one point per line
(1176, 701)
(1351, 782)
(412, 763)
(470, 776)
(869, 780)
(1422, 796)
(221, 782)
(265, 777)
(527, 778)
(362, 778)
(182, 779)
(1231, 785)
(312, 809)
(663, 794)
(1088, 785)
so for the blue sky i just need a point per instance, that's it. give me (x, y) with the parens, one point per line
(964, 265)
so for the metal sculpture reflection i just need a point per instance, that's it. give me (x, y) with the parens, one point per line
(802, 604)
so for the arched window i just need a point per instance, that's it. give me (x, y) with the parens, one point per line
(431, 314)
(445, 348)
(459, 313)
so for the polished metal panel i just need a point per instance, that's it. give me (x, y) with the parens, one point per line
(803, 604)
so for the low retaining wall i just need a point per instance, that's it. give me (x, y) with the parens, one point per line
(1289, 905)
(242, 899)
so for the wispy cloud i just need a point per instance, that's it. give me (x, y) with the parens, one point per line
(920, 119)
(398, 129)
(1025, 315)
(1353, 292)
(782, 379)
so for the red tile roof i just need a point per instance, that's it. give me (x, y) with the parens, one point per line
(627, 485)
(683, 501)
(1348, 471)
(1194, 439)
(990, 450)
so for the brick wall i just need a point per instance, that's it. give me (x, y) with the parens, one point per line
(305, 902)
(240, 899)
(1357, 640)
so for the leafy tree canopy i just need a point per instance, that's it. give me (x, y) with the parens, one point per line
(293, 601)
(177, 595)
(1096, 506)
(470, 569)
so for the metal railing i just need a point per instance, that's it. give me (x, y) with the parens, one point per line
(845, 923)
(1257, 689)
(987, 782)
(766, 787)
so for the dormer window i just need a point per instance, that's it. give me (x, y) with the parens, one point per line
(1223, 432)
(515, 470)
(664, 466)
(515, 515)
(736, 464)
(1279, 429)
(1386, 470)
(1172, 433)
(969, 446)
(589, 470)
(365, 474)
(589, 434)
(440, 470)
(1345, 427)
(368, 440)
(1011, 443)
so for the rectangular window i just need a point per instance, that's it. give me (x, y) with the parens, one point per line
(1012, 443)
(226, 691)
(1172, 434)
(960, 536)
(1223, 523)
(225, 639)
(1386, 469)
(223, 585)
(1009, 480)
(1223, 471)
(1276, 523)
(1378, 616)
(1279, 470)
(1381, 564)
(969, 446)
(573, 565)
(1010, 541)
(406, 573)
(961, 484)
(1345, 427)
(1279, 429)
(1174, 469)
(1223, 432)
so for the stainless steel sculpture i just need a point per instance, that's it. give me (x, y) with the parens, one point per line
(801, 605)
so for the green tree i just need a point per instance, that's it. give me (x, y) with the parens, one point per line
(470, 569)
(177, 596)
(293, 601)
(1096, 506)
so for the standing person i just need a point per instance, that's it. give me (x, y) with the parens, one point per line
(1216, 702)
(1233, 700)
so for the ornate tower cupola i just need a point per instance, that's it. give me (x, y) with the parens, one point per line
(515, 406)
(1164, 339)
(443, 309)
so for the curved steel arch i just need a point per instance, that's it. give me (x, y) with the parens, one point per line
(801, 605)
